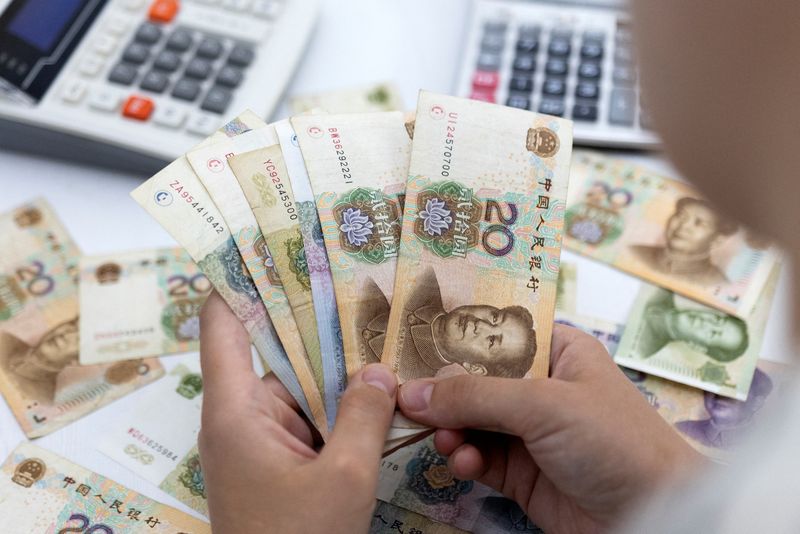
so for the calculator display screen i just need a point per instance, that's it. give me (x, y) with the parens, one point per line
(41, 22)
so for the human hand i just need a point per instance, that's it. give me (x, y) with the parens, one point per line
(575, 451)
(260, 467)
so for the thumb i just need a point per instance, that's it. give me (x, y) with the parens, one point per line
(364, 416)
(508, 405)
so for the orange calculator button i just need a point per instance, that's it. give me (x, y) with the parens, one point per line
(164, 10)
(138, 107)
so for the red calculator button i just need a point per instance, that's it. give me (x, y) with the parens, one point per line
(164, 10)
(485, 80)
(138, 107)
(483, 96)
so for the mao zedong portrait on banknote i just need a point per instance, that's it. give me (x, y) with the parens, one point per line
(689, 236)
(718, 335)
(483, 339)
(35, 368)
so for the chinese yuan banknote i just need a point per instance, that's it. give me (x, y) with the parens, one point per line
(144, 303)
(376, 97)
(176, 198)
(211, 163)
(663, 231)
(319, 269)
(567, 288)
(358, 165)
(263, 177)
(40, 376)
(481, 240)
(673, 337)
(158, 436)
(42, 493)
(389, 519)
(712, 424)
(606, 332)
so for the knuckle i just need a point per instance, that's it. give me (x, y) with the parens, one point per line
(352, 471)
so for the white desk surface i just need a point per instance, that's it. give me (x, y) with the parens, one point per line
(415, 44)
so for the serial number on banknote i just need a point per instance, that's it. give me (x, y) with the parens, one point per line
(283, 194)
(344, 166)
(201, 210)
(449, 143)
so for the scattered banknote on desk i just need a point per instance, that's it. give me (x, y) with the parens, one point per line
(663, 231)
(375, 97)
(42, 493)
(135, 304)
(287, 219)
(676, 338)
(157, 438)
(40, 375)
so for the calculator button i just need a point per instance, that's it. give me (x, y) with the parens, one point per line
(624, 76)
(169, 116)
(163, 10)
(559, 47)
(203, 124)
(167, 60)
(554, 87)
(209, 48)
(488, 61)
(136, 53)
(528, 44)
(483, 96)
(495, 26)
(186, 89)
(180, 40)
(556, 67)
(623, 56)
(123, 73)
(117, 26)
(91, 66)
(485, 80)
(584, 112)
(198, 69)
(269, 9)
(591, 50)
(525, 64)
(236, 5)
(589, 71)
(154, 81)
(493, 42)
(522, 84)
(241, 55)
(105, 100)
(530, 30)
(562, 33)
(551, 106)
(133, 5)
(217, 100)
(587, 90)
(229, 76)
(594, 35)
(73, 92)
(148, 33)
(621, 107)
(519, 101)
(105, 45)
(138, 107)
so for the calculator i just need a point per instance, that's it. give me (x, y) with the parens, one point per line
(135, 83)
(572, 59)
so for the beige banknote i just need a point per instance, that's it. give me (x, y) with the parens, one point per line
(358, 164)
(176, 198)
(390, 519)
(606, 332)
(42, 493)
(481, 240)
(263, 177)
(142, 303)
(567, 288)
(39, 328)
(364, 99)
(676, 338)
(712, 424)
(663, 230)
(158, 436)
(212, 164)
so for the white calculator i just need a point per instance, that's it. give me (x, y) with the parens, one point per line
(135, 83)
(570, 58)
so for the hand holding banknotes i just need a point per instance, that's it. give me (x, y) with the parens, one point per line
(258, 454)
(559, 446)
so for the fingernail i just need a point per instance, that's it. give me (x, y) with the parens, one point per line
(381, 377)
(417, 395)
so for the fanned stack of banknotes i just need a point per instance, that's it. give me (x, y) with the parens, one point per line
(421, 240)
